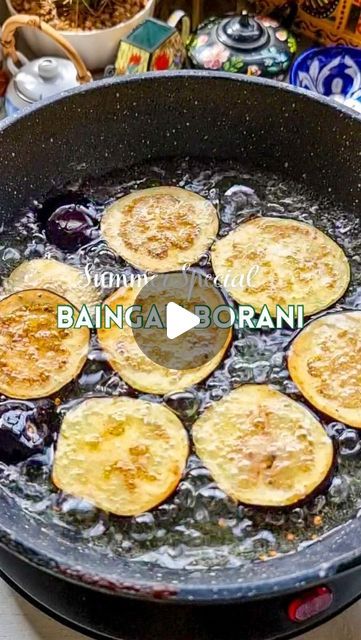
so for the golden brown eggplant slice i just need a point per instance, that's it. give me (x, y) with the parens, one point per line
(36, 357)
(52, 275)
(278, 261)
(160, 229)
(262, 447)
(136, 369)
(124, 455)
(325, 363)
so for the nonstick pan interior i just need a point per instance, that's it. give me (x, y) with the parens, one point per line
(116, 124)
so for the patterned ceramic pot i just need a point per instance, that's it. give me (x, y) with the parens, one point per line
(243, 44)
(331, 71)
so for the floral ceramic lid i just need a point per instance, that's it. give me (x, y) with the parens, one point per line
(243, 44)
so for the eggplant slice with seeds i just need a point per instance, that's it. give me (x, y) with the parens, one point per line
(52, 275)
(139, 371)
(263, 448)
(325, 363)
(160, 229)
(293, 263)
(36, 357)
(122, 454)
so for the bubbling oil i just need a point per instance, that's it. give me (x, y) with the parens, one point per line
(198, 526)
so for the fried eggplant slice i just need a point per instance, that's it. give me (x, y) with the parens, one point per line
(160, 229)
(36, 357)
(136, 368)
(325, 363)
(278, 261)
(263, 448)
(52, 275)
(124, 455)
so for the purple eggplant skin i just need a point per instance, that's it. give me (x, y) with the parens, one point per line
(26, 428)
(54, 202)
(70, 227)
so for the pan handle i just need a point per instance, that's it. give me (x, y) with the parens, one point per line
(8, 42)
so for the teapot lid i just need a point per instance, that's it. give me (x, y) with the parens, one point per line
(243, 32)
(44, 77)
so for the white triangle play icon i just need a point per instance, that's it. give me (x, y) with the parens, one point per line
(179, 320)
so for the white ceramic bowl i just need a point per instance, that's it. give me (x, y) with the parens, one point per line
(97, 48)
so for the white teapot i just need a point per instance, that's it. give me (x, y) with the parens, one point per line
(40, 78)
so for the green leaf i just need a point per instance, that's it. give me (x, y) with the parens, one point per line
(233, 65)
(292, 44)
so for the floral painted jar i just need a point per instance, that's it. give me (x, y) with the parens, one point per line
(154, 46)
(258, 46)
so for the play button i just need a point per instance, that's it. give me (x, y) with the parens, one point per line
(179, 320)
(178, 330)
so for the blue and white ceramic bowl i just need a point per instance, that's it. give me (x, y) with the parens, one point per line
(330, 71)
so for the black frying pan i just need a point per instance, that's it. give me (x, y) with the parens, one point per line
(114, 124)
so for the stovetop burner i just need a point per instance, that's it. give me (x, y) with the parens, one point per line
(110, 617)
